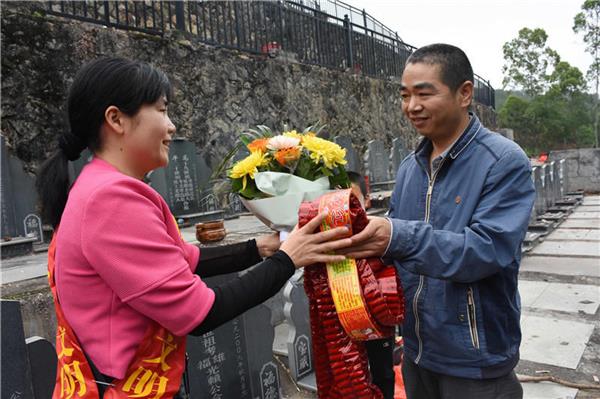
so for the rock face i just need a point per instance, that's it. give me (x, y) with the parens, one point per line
(218, 92)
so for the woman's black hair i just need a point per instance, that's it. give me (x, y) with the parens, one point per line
(99, 84)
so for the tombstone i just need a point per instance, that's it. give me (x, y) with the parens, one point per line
(157, 179)
(204, 172)
(563, 176)
(43, 361)
(264, 375)
(236, 359)
(269, 381)
(76, 166)
(18, 194)
(533, 216)
(549, 184)
(7, 201)
(540, 205)
(557, 182)
(542, 193)
(352, 158)
(378, 162)
(299, 342)
(398, 155)
(32, 225)
(182, 178)
(218, 363)
(15, 377)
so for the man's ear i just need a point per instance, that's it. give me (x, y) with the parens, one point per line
(114, 119)
(465, 93)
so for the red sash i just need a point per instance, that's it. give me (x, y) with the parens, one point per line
(154, 373)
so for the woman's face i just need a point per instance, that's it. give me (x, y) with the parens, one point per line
(147, 137)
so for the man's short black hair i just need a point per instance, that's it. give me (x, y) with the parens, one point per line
(358, 179)
(455, 68)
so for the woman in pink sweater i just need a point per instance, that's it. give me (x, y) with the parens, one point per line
(120, 271)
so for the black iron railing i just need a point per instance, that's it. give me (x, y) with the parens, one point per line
(327, 32)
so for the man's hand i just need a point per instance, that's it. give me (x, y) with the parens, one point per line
(267, 245)
(371, 242)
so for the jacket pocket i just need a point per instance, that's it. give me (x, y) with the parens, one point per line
(472, 317)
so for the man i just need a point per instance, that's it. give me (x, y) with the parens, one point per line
(457, 218)
(379, 351)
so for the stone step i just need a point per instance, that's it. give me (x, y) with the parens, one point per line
(18, 246)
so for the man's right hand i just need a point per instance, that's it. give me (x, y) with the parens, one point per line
(372, 241)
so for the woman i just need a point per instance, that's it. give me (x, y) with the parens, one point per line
(127, 288)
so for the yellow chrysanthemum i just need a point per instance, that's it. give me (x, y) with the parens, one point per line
(321, 149)
(248, 166)
(292, 133)
(295, 134)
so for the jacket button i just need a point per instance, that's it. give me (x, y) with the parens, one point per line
(461, 317)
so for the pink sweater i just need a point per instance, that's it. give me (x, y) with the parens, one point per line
(120, 263)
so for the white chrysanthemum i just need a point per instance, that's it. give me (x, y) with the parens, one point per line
(281, 142)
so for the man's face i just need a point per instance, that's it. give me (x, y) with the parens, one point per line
(433, 109)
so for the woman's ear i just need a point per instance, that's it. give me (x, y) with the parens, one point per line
(114, 119)
(465, 92)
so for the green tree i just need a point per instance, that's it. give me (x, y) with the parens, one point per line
(557, 119)
(567, 80)
(588, 23)
(529, 62)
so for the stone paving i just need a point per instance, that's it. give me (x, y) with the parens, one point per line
(560, 294)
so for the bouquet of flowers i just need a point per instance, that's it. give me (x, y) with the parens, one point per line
(283, 170)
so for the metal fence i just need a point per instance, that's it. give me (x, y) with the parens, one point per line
(328, 33)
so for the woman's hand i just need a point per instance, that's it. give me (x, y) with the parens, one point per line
(306, 247)
(267, 245)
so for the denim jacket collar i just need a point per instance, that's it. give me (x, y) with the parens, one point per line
(424, 148)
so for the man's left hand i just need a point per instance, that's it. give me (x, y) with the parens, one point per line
(371, 242)
(267, 245)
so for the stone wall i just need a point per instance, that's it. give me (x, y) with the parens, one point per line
(583, 168)
(218, 92)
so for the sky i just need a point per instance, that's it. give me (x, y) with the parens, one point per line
(481, 27)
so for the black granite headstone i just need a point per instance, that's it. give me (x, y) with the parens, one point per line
(378, 162)
(352, 158)
(296, 314)
(218, 364)
(19, 197)
(399, 152)
(7, 201)
(183, 195)
(76, 166)
(264, 376)
(43, 361)
(204, 172)
(15, 380)
(157, 179)
(33, 227)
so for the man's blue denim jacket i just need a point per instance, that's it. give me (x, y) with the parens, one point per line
(456, 242)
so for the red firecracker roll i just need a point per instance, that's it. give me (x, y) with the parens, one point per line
(340, 359)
